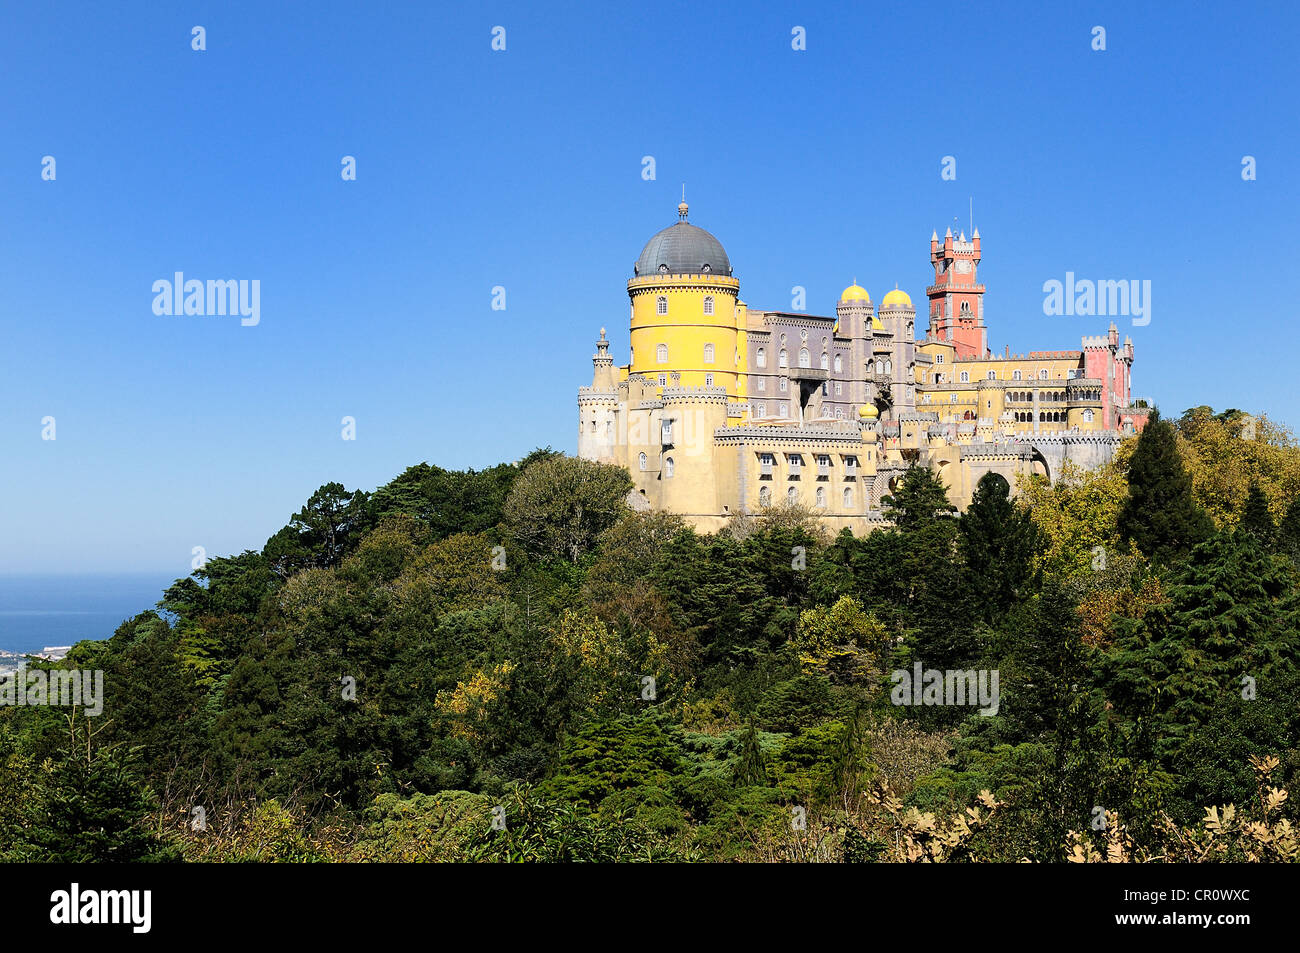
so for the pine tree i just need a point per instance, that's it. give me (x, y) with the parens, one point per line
(752, 767)
(1256, 519)
(1232, 611)
(998, 542)
(1288, 531)
(1160, 514)
(921, 498)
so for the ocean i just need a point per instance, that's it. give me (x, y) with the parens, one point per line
(41, 610)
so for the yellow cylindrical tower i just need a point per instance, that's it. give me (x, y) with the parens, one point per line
(685, 314)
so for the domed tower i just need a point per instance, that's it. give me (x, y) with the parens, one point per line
(685, 317)
(857, 319)
(899, 318)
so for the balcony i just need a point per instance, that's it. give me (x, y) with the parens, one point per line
(810, 373)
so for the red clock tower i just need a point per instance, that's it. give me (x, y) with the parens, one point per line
(957, 297)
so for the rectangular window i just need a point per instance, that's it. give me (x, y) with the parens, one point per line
(667, 431)
(823, 465)
(708, 380)
(839, 388)
(850, 466)
(765, 463)
(663, 380)
(762, 384)
(796, 461)
(785, 410)
(783, 384)
(938, 359)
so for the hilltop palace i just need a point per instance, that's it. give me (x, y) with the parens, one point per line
(828, 411)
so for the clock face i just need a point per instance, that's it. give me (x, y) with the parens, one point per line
(963, 267)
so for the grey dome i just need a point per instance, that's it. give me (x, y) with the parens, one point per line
(682, 249)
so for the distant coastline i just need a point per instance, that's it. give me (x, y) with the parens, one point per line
(47, 609)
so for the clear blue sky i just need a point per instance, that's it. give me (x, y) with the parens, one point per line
(523, 169)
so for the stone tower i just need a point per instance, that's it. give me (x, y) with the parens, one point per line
(957, 297)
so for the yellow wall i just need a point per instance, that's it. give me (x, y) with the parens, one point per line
(686, 329)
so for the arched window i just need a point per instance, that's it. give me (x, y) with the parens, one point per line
(661, 353)
(792, 495)
(1015, 375)
(708, 353)
(642, 461)
(821, 496)
(805, 359)
(785, 410)
(839, 365)
(1042, 375)
(826, 361)
(965, 309)
(762, 357)
(880, 368)
(764, 496)
(889, 366)
(1087, 415)
(784, 359)
(760, 409)
(708, 304)
(965, 377)
(708, 380)
(661, 305)
(848, 498)
(993, 375)
(668, 467)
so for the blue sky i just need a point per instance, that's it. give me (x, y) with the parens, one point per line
(523, 169)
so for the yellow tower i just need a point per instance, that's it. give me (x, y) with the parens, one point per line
(685, 314)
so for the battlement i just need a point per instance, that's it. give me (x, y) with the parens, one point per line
(679, 394)
(848, 434)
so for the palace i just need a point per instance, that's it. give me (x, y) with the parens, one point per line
(830, 411)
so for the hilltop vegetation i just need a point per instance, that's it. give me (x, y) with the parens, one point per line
(510, 664)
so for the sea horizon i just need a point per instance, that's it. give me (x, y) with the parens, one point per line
(48, 609)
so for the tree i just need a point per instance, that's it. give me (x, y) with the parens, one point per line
(559, 506)
(320, 534)
(1232, 612)
(920, 499)
(1225, 453)
(1160, 514)
(1077, 514)
(842, 641)
(998, 542)
(1288, 531)
(90, 807)
(1255, 518)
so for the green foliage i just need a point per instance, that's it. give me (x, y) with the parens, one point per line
(920, 498)
(382, 677)
(1160, 515)
(998, 543)
(559, 506)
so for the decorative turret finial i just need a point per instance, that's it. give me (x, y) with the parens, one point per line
(602, 334)
(683, 208)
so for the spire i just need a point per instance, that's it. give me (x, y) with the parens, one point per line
(683, 208)
(934, 236)
(948, 233)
